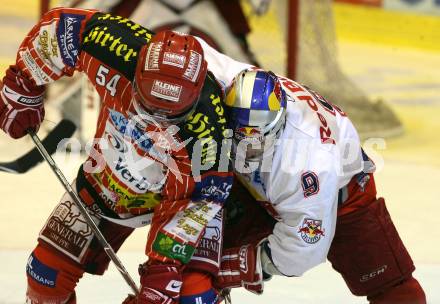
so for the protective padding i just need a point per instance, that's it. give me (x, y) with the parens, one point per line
(407, 292)
(51, 278)
(368, 251)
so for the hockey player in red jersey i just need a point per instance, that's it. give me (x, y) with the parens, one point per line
(300, 157)
(160, 107)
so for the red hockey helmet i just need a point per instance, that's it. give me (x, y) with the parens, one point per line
(170, 74)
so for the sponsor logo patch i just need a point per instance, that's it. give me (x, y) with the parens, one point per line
(68, 37)
(152, 58)
(188, 224)
(41, 273)
(174, 59)
(249, 133)
(311, 231)
(209, 248)
(116, 41)
(136, 29)
(143, 141)
(37, 73)
(67, 230)
(199, 125)
(165, 90)
(46, 44)
(171, 248)
(193, 69)
(213, 188)
(122, 200)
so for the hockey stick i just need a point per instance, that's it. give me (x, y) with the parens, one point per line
(64, 129)
(77, 200)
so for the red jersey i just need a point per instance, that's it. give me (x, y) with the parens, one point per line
(134, 169)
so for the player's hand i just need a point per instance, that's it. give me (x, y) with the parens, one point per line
(21, 104)
(241, 267)
(130, 299)
(160, 284)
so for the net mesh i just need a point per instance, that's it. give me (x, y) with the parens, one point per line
(317, 62)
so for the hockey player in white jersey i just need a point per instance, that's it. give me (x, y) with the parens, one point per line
(300, 157)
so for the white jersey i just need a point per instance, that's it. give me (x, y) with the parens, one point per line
(318, 153)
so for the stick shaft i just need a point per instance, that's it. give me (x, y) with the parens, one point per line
(106, 246)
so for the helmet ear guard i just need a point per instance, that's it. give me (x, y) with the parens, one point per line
(169, 77)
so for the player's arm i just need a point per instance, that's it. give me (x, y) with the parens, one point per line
(49, 51)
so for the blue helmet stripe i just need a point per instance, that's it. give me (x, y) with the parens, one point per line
(240, 117)
(262, 88)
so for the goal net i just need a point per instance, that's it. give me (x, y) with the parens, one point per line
(294, 38)
(297, 38)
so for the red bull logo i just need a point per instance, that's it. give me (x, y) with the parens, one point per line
(247, 132)
(311, 231)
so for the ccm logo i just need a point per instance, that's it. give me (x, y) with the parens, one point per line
(242, 255)
(373, 274)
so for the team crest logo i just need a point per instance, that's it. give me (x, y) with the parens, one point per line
(311, 231)
(309, 183)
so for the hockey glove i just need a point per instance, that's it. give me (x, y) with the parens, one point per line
(21, 104)
(242, 267)
(160, 284)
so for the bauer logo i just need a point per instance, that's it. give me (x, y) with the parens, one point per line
(26, 100)
(174, 59)
(311, 231)
(192, 71)
(152, 59)
(41, 273)
(165, 90)
(68, 37)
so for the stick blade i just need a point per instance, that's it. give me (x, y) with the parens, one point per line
(64, 129)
